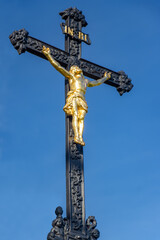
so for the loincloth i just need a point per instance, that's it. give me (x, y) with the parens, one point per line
(80, 100)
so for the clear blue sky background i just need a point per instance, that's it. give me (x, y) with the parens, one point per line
(122, 134)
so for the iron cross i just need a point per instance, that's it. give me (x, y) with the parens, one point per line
(74, 226)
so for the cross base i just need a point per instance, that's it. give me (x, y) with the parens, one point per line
(62, 230)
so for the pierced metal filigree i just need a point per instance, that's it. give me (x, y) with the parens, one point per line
(76, 181)
(74, 48)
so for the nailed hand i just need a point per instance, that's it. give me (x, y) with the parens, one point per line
(108, 75)
(46, 51)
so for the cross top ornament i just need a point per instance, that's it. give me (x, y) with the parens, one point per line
(76, 71)
(75, 14)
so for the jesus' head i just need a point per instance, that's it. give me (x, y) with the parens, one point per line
(75, 70)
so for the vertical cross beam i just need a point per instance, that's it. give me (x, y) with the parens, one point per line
(75, 205)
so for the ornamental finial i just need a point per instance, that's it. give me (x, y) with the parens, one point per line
(75, 14)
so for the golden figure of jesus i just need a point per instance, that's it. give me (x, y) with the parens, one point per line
(76, 105)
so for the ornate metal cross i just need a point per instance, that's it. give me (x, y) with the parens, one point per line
(74, 226)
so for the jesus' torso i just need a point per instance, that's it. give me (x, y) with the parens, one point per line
(78, 83)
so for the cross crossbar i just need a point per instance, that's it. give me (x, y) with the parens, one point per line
(23, 42)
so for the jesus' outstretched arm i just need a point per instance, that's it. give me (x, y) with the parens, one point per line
(55, 64)
(99, 81)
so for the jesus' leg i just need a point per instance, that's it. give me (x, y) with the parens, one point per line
(81, 115)
(75, 121)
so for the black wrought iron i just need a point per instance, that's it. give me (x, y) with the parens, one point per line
(75, 205)
(74, 226)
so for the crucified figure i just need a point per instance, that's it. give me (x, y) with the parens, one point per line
(76, 105)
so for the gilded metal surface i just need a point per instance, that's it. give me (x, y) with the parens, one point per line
(76, 105)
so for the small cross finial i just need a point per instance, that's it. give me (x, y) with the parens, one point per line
(59, 211)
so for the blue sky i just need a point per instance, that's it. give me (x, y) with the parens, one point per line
(122, 134)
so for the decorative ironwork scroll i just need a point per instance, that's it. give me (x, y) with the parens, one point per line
(60, 229)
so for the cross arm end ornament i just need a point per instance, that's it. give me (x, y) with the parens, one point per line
(119, 80)
(19, 40)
